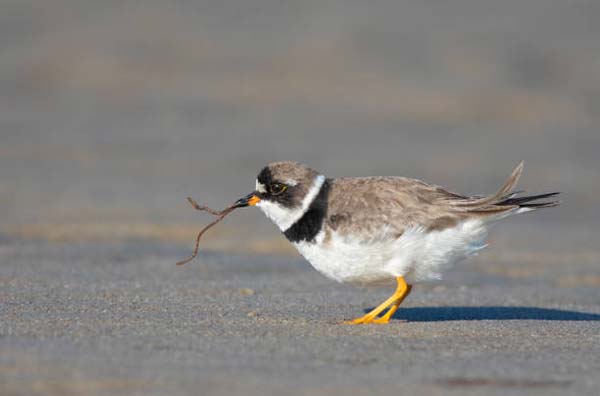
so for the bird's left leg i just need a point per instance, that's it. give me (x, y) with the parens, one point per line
(392, 303)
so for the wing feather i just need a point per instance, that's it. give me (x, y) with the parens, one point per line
(375, 208)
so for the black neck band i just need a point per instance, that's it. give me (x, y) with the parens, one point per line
(308, 226)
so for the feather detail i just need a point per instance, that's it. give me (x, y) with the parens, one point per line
(504, 201)
(527, 201)
(502, 193)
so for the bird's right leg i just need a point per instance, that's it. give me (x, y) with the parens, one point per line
(402, 290)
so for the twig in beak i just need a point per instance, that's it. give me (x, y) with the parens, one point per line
(221, 215)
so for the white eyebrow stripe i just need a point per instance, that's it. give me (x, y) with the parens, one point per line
(260, 187)
(291, 182)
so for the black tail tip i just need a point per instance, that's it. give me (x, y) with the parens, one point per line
(529, 201)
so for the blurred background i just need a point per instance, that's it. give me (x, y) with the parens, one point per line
(112, 112)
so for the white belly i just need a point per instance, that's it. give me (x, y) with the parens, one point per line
(417, 255)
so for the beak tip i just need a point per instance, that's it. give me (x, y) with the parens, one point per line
(248, 200)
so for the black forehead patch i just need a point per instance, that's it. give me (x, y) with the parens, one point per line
(265, 176)
(287, 199)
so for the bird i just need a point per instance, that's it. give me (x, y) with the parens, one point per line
(382, 229)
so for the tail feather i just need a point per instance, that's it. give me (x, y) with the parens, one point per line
(505, 201)
(503, 193)
(511, 182)
(528, 201)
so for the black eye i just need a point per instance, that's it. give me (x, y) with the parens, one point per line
(277, 188)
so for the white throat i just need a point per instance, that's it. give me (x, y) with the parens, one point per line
(284, 217)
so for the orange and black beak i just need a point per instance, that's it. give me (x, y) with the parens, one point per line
(249, 200)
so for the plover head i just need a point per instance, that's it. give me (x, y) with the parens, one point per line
(284, 192)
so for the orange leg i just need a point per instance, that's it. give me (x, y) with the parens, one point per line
(386, 318)
(402, 290)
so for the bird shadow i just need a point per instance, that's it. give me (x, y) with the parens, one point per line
(440, 314)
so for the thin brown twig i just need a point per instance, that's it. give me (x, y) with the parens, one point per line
(221, 215)
(206, 208)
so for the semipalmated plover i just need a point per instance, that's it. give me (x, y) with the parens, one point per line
(369, 230)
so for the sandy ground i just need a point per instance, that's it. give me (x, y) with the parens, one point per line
(106, 319)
